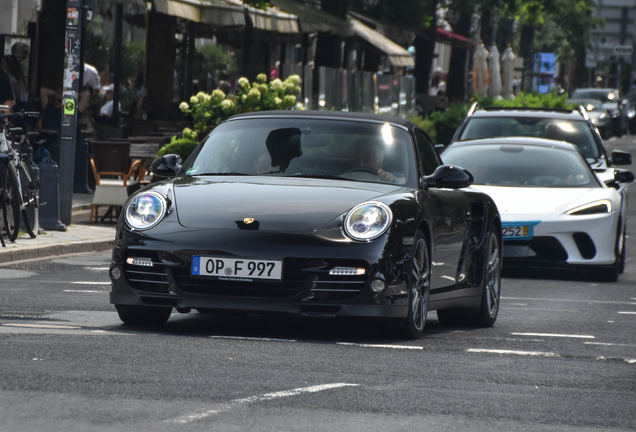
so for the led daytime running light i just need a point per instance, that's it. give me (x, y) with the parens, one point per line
(592, 208)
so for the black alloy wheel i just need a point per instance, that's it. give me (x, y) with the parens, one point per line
(486, 315)
(10, 202)
(143, 315)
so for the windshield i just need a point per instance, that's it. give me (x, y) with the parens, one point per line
(296, 147)
(522, 165)
(588, 104)
(578, 133)
(600, 95)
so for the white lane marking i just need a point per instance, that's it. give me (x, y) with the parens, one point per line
(626, 360)
(253, 338)
(43, 326)
(499, 351)
(551, 300)
(381, 346)
(608, 344)
(96, 268)
(252, 399)
(555, 335)
(85, 291)
(627, 313)
(91, 283)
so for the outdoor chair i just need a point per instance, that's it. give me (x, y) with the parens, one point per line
(116, 174)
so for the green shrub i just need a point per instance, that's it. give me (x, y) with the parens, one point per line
(181, 146)
(529, 100)
(427, 125)
(447, 122)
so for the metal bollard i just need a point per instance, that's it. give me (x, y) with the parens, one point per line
(50, 196)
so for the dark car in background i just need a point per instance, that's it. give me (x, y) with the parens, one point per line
(310, 213)
(598, 114)
(612, 99)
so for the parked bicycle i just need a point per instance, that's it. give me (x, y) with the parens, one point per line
(19, 179)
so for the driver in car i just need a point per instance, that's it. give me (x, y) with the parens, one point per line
(370, 155)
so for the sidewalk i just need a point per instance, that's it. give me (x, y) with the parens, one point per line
(79, 237)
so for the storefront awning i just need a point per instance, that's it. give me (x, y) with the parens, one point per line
(453, 38)
(273, 20)
(217, 13)
(313, 20)
(397, 55)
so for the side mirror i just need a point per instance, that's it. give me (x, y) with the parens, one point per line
(624, 176)
(449, 177)
(166, 166)
(621, 158)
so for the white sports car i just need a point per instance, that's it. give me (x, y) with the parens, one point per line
(554, 208)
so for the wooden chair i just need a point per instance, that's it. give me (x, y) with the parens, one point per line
(114, 175)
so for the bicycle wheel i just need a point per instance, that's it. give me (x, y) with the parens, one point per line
(30, 198)
(11, 202)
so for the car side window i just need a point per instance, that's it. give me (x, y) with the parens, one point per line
(426, 150)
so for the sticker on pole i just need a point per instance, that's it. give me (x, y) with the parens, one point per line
(69, 106)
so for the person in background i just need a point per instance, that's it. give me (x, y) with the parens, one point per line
(91, 77)
(52, 104)
(6, 92)
(12, 66)
(107, 109)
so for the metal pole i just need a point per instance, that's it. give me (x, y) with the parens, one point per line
(119, 16)
(72, 87)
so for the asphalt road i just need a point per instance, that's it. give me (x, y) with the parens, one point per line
(562, 357)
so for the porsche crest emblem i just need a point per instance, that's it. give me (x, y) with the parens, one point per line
(248, 220)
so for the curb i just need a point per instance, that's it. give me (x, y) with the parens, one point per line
(55, 250)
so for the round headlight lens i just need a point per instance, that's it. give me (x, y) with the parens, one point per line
(145, 210)
(368, 221)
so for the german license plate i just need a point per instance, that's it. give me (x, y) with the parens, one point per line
(515, 231)
(237, 269)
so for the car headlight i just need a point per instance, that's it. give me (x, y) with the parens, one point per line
(602, 117)
(145, 210)
(631, 113)
(603, 206)
(368, 221)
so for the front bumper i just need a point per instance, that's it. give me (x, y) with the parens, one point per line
(306, 287)
(567, 240)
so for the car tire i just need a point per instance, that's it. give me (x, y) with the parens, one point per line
(486, 315)
(143, 315)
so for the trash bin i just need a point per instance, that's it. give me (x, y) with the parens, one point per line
(50, 196)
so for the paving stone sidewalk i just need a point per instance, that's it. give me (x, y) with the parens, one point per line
(79, 237)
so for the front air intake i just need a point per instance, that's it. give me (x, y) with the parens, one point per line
(585, 245)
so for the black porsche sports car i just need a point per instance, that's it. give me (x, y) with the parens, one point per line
(301, 212)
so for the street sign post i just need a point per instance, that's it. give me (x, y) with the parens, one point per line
(71, 88)
(623, 50)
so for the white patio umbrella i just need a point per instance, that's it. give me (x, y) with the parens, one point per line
(481, 77)
(507, 69)
(494, 89)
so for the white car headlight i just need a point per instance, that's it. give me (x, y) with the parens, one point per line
(145, 210)
(602, 206)
(368, 221)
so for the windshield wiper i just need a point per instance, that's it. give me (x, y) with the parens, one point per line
(324, 176)
(221, 174)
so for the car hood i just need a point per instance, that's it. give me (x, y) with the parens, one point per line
(275, 204)
(535, 201)
(610, 106)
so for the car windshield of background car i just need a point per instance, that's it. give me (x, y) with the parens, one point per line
(297, 147)
(522, 166)
(600, 95)
(588, 104)
(578, 133)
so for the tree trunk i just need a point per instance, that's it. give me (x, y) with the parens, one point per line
(160, 52)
